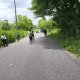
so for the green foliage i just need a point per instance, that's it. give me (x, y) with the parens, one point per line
(24, 23)
(42, 24)
(5, 25)
(11, 35)
(65, 12)
(47, 24)
(70, 44)
(39, 7)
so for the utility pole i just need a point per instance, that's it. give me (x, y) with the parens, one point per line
(15, 14)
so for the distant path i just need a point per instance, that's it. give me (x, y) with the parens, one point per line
(42, 60)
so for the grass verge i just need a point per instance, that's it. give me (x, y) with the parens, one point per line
(70, 44)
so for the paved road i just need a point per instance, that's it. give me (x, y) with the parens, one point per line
(42, 60)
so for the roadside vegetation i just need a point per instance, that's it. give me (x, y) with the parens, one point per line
(70, 44)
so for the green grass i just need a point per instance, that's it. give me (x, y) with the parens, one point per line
(70, 44)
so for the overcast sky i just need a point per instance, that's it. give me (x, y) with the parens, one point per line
(7, 9)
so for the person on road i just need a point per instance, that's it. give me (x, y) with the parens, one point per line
(18, 36)
(4, 40)
(30, 36)
(45, 32)
(33, 35)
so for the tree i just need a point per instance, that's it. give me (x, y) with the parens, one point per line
(46, 24)
(5, 25)
(24, 23)
(64, 12)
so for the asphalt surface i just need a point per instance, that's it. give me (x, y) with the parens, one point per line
(44, 59)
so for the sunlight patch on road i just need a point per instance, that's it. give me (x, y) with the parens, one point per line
(10, 64)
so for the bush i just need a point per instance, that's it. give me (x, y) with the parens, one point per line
(11, 35)
(70, 44)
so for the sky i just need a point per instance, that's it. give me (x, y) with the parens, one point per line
(7, 10)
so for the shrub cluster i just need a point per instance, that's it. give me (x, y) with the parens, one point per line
(11, 35)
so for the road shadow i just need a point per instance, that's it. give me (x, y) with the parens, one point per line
(47, 43)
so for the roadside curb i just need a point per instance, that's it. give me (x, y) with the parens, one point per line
(72, 55)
